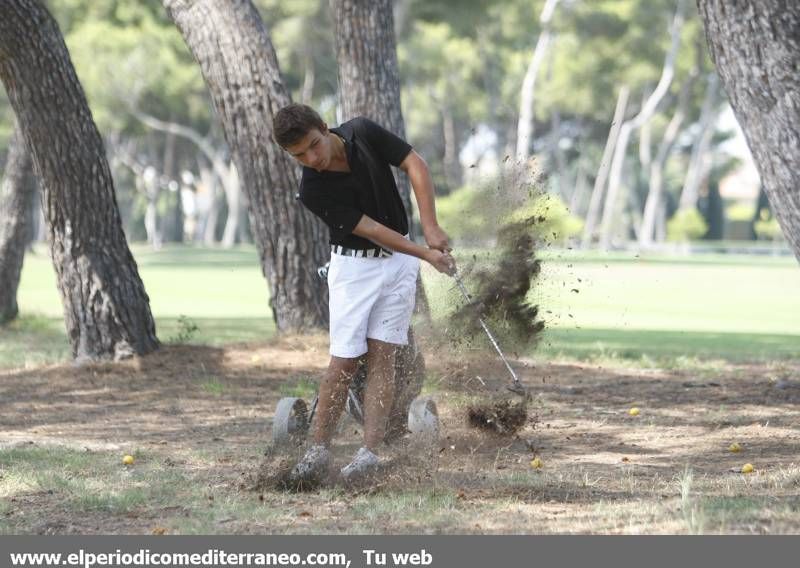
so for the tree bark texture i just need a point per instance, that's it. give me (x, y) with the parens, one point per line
(755, 45)
(17, 191)
(106, 309)
(369, 79)
(231, 43)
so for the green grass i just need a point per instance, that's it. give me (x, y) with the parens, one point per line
(627, 308)
(195, 282)
(600, 307)
(665, 348)
(213, 386)
(433, 509)
(300, 387)
(88, 481)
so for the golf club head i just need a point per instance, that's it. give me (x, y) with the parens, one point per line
(518, 389)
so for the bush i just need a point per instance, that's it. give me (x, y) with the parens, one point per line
(686, 225)
(767, 227)
(474, 214)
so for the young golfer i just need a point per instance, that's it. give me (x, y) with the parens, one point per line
(347, 182)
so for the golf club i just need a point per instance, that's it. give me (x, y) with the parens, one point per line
(516, 387)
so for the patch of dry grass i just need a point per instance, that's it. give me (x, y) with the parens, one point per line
(198, 450)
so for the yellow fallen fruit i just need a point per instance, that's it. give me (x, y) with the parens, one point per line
(735, 448)
(536, 463)
(747, 468)
(127, 460)
(634, 411)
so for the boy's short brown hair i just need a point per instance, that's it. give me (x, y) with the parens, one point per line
(294, 121)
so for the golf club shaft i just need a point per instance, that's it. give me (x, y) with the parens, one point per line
(486, 329)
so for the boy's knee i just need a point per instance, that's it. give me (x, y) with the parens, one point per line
(381, 353)
(343, 368)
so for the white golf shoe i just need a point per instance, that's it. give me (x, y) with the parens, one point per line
(364, 464)
(314, 466)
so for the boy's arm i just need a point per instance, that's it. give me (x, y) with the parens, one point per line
(382, 235)
(419, 175)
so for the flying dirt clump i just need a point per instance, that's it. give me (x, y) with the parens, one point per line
(274, 471)
(504, 417)
(499, 296)
(499, 289)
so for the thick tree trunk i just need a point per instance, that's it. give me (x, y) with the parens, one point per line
(16, 200)
(755, 45)
(369, 79)
(238, 62)
(106, 309)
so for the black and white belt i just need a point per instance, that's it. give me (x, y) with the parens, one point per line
(377, 252)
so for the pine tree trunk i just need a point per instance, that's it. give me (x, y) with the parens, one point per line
(16, 200)
(755, 45)
(238, 62)
(369, 80)
(106, 309)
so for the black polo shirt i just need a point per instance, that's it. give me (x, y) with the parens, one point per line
(341, 198)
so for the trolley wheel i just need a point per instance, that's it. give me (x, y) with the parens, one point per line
(291, 422)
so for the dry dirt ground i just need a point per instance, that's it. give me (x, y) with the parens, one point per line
(197, 420)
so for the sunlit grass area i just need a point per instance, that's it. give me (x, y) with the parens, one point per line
(610, 307)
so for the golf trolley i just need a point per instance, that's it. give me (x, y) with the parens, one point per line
(410, 412)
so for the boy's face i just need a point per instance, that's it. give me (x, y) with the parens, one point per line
(313, 150)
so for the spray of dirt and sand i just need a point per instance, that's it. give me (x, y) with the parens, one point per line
(499, 286)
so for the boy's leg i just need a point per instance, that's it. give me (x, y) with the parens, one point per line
(332, 397)
(314, 465)
(379, 391)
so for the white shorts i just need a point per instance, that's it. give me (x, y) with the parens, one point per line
(370, 298)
